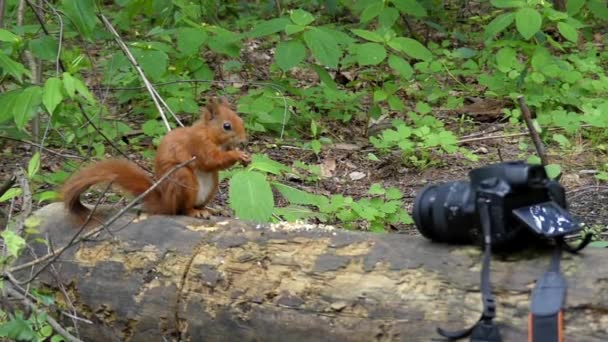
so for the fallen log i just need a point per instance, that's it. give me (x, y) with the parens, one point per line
(225, 280)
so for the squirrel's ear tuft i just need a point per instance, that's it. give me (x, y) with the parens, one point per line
(211, 110)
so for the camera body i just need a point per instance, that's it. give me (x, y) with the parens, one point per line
(523, 202)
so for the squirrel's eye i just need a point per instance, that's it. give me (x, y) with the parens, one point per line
(227, 126)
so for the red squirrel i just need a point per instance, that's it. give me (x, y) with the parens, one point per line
(213, 139)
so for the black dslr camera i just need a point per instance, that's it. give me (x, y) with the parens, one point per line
(503, 205)
(522, 201)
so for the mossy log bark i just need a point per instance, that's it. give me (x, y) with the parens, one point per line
(246, 282)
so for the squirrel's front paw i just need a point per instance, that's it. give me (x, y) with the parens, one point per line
(244, 158)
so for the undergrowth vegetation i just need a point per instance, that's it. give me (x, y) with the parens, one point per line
(295, 70)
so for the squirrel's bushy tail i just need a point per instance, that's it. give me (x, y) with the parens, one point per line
(123, 173)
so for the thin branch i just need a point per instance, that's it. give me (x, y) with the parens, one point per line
(108, 222)
(67, 156)
(74, 237)
(52, 322)
(133, 61)
(60, 19)
(540, 148)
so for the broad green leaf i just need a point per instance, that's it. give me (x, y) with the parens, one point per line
(598, 9)
(370, 54)
(289, 54)
(8, 36)
(412, 48)
(26, 105)
(508, 3)
(34, 165)
(368, 35)
(153, 62)
(323, 46)
(388, 17)
(401, 66)
(264, 163)
(553, 170)
(190, 39)
(82, 15)
(376, 189)
(295, 212)
(268, 27)
(528, 21)
(7, 103)
(45, 47)
(301, 17)
(297, 196)
(498, 25)
(506, 59)
(393, 193)
(371, 11)
(10, 194)
(13, 242)
(12, 67)
(69, 84)
(567, 31)
(293, 29)
(574, 6)
(411, 7)
(380, 95)
(465, 52)
(52, 94)
(250, 196)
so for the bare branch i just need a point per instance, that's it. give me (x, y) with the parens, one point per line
(108, 222)
(540, 148)
(67, 156)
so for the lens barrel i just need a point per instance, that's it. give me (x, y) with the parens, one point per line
(445, 212)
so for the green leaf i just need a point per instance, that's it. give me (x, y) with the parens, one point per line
(567, 31)
(34, 165)
(553, 170)
(69, 84)
(371, 11)
(269, 27)
(293, 29)
(297, 196)
(263, 163)
(153, 62)
(26, 105)
(401, 66)
(498, 25)
(190, 39)
(528, 21)
(301, 17)
(250, 196)
(376, 189)
(45, 47)
(574, 6)
(370, 54)
(7, 103)
(12, 67)
(388, 17)
(598, 9)
(379, 95)
(368, 35)
(393, 193)
(506, 59)
(324, 76)
(10, 194)
(412, 48)
(289, 54)
(8, 36)
(52, 94)
(411, 7)
(508, 3)
(323, 46)
(13, 242)
(295, 212)
(82, 15)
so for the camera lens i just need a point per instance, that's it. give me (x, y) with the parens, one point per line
(445, 212)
